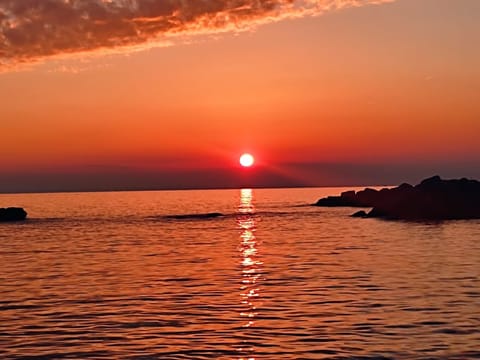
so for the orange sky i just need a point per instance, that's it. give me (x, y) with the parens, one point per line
(393, 83)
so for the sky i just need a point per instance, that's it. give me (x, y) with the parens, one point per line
(145, 94)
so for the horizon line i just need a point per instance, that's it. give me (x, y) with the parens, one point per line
(191, 189)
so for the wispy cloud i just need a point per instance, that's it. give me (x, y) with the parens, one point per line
(33, 30)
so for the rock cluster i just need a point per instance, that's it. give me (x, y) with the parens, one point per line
(12, 214)
(432, 199)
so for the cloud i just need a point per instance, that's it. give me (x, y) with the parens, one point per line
(33, 30)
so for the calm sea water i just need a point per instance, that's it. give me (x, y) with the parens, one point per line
(113, 276)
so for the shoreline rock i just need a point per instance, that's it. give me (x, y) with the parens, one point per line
(433, 199)
(12, 214)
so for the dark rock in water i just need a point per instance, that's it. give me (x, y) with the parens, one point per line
(432, 199)
(334, 201)
(364, 198)
(348, 194)
(195, 216)
(360, 214)
(12, 214)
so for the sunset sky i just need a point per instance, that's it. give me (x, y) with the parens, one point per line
(135, 94)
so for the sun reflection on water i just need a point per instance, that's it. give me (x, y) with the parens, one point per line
(251, 265)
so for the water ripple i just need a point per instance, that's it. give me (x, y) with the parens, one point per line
(268, 280)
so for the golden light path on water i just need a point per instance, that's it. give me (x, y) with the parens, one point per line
(251, 264)
(114, 276)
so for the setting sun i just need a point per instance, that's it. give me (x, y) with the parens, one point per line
(246, 160)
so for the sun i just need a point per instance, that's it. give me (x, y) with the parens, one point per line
(247, 160)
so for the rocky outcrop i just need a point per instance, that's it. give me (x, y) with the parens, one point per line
(364, 198)
(360, 214)
(432, 199)
(12, 214)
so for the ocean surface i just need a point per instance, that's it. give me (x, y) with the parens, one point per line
(138, 275)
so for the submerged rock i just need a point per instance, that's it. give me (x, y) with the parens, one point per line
(12, 214)
(360, 214)
(195, 216)
(432, 199)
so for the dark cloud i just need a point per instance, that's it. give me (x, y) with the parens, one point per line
(35, 29)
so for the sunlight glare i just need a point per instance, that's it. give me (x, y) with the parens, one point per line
(246, 160)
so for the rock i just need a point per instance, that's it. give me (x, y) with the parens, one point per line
(334, 201)
(432, 199)
(368, 197)
(348, 194)
(195, 216)
(364, 198)
(360, 214)
(12, 214)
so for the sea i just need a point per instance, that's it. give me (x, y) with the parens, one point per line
(162, 275)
